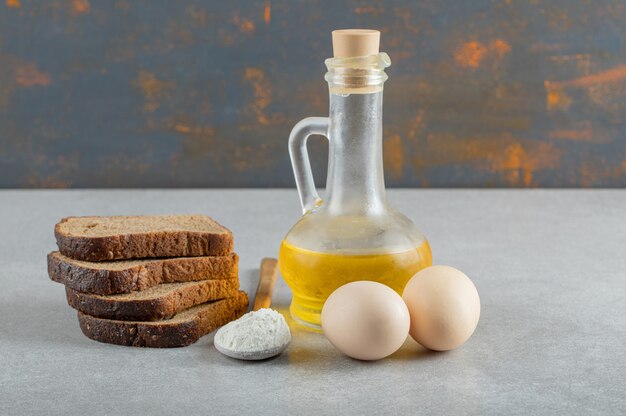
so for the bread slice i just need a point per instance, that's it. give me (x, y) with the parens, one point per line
(183, 329)
(136, 237)
(125, 276)
(158, 302)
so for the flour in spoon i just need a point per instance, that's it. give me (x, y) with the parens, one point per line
(260, 330)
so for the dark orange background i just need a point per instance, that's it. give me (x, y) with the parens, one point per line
(204, 93)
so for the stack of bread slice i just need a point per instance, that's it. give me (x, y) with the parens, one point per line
(148, 281)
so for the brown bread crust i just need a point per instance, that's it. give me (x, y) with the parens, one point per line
(140, 245)
(162, 302)
(95, 278)
(179, 331)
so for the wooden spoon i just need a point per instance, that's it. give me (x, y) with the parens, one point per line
(263, 299)
(267, 278)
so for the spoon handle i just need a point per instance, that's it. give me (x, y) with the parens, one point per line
(267, 277)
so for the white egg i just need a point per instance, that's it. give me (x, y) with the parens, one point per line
(365, 320)
(444, 307)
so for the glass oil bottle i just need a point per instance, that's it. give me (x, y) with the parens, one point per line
(353, 234)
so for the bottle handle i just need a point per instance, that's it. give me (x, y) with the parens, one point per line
(300, 162)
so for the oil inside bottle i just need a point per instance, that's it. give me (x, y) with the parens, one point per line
(313, 275)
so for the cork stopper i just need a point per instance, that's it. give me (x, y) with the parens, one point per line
(348, 43)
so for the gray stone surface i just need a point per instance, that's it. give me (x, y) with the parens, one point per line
(549, 266)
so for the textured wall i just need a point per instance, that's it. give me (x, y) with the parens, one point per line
(204, 93)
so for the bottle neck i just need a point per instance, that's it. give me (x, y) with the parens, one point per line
(355, 184)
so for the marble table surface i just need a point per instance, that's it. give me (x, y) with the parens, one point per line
(550, 267)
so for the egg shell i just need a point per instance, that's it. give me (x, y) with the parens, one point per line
(365, 320)
(444, 306)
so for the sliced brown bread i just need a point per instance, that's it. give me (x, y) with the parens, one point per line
(159, 302)
(125, 276)
(183, 329)
(136, 237)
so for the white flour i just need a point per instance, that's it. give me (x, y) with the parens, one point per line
(261, 330)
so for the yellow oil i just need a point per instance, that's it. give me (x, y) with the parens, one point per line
(313, 276)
